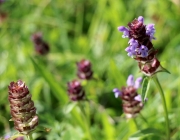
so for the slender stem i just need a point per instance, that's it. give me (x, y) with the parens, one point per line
(143, 118)
(164, 105)
(86, 119)
(29, 136)
(136, 124)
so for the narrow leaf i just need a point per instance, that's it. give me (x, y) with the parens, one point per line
(58, 91)
(144, 133)
(145, 88)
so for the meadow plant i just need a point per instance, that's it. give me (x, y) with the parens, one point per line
(84, 69)
(132, 102)
(23, 111)
(142, 50)
(75, 91)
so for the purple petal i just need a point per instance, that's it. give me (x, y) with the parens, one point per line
(143, 50)
(124, 30)
(128, 49)
(138, 98)
(150, 30)
(130, 80)
(117, 92)
(141, 19)
(138, 83)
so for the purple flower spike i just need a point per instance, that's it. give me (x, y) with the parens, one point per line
(143, 50)
(117, 92)
(130, 80)
(138, 83)
(125, 31)
(150, 30)
(141, 19)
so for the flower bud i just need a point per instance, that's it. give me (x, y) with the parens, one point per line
(84, 69)
(22, 107)
(41, 47)
(75, 91)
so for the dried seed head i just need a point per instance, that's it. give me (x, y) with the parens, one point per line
(41, 47)
(22, 107)
(84, 69)
(75, 91)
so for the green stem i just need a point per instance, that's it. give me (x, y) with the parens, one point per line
(29, 136)
(164, 105)
(143, 118)
(86, 119)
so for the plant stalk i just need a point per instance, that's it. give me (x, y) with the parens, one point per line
(29, 137)
(164, 105)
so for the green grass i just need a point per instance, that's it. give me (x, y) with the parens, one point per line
(77, 29)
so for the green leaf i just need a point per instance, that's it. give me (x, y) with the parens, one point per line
(57, 89)
(144, 133)
(145, 88)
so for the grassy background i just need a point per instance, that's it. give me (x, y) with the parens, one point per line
(77, 29)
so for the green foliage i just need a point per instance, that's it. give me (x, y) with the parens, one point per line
(79, 29)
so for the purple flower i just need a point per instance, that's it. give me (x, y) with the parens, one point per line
(132, 48)
(143, 50)
(141, 19)
(125, 31)
(117, 92)
(131, 100)
(136, 84)
(150, 30)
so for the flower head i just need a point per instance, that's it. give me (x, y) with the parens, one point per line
(132, 102)
(84, 69)
(75, 91)
(22, 107)
(140, 37)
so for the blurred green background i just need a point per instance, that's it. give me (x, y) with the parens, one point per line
(86, 29)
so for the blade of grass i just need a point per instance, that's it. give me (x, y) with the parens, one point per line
(57, 89)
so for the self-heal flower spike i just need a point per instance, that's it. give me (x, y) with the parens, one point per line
(22, 107)
(75, 91)
(132, 102)
(140, 35)
(84, 69)
(140, 46)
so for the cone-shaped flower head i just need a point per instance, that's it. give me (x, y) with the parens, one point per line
(140, 35)
(140, 46)
(132, 103)
(41, 47)
(22, 107)
(75, 91)
(84, 69)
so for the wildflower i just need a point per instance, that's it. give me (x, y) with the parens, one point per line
(132, 102)
(140, 46)
(22, 107)
(75, 91)
(84, 69)
(41, 47)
